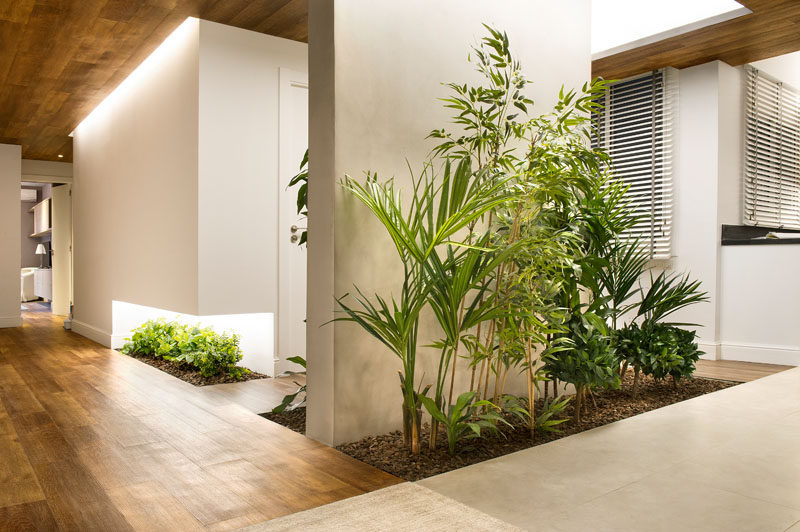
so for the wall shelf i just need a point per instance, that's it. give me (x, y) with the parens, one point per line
(42, 233)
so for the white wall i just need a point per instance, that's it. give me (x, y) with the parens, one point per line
(752, 314)
(176, 186)
(759, 285)
(375, 75)
(707, 185)
(46, 171)
(759, 320)
(784, 67)
(135, 190)
(10, 174)
(238, 185)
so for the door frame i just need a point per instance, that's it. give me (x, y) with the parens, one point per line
(287, 165)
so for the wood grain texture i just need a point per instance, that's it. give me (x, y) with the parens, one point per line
(94, 440)
(733, 370)
(772, 29)
(60, 59)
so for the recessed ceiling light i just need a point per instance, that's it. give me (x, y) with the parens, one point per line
(60, 156)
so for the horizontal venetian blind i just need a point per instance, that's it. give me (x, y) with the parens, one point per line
(772, 152)
(636, 128)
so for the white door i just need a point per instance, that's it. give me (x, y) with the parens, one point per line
(62, 249)
(291, 325)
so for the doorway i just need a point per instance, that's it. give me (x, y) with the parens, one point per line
(46, 247)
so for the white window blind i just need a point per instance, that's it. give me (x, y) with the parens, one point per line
(772, 152)
(636, 128)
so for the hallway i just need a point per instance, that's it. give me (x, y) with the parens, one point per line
(95, 440)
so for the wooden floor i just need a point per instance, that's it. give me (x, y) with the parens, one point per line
(731, 370)
(93, 440)
(257, 396)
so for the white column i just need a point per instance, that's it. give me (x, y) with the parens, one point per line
(376, 70)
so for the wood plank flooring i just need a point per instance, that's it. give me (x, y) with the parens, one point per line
(732, 370)
(94, 440)
(257, 396)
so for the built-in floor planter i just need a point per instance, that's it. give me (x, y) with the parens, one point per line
(191, 375)
(388, 453)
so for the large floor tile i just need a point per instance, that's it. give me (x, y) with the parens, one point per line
(724, 461)
(535, 483)
(668, 502)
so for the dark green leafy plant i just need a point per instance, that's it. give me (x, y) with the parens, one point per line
(302, 194)
(583, 355)
(202, 348)
(657, 349)
(286, 403)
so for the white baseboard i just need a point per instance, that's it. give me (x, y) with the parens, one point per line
(10, 321)
(767, 354)
(92, 333)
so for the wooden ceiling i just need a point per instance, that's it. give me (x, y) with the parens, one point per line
(772, 29)
(60, 58)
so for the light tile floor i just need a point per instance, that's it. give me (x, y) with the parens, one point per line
(724, 461)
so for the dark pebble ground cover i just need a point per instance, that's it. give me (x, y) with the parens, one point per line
(388, 453)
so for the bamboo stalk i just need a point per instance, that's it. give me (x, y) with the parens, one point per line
(531, 398)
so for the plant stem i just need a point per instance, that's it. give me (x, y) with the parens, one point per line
(531, 398)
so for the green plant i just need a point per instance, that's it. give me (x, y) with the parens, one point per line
(209, 352)
(659, 350)
(583, 355)
(437, 212)
(688, 352)
(286, 403)
(302, 194)
(669, 293)
(462, 419)
(545, 160)
(548, 420)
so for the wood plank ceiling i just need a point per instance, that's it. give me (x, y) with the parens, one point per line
(772, 29)
(60, 58)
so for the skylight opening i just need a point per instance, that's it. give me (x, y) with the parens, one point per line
(619, 25)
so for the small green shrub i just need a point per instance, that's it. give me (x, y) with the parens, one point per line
(658, 350)
(583, 357)
(202, 348)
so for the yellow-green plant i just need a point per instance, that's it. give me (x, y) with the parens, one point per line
(203, 348)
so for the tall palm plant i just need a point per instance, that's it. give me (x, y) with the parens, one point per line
(437, 212)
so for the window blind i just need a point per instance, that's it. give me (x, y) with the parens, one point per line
(772, 152)
(636, 128)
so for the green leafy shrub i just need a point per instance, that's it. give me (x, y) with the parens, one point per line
(584, 356)
(657, 349)
(202, 348)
